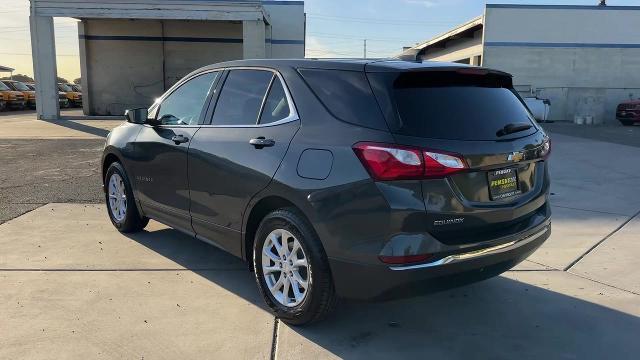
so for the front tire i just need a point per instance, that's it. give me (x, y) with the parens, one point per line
(121, 205)
(291, 268)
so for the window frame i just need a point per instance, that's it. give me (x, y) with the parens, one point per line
(155, 107)
(293, 113)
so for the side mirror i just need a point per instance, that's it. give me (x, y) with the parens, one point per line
(136, 116)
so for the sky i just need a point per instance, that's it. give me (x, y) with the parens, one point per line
(335, 28)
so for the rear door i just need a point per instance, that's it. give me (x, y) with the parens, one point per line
(237, 154)
(475, 115)
(161, 152)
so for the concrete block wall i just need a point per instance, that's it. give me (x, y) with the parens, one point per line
(576, 80)
(129, 63)
(182, 57)
(585, 59)
(122, 74)
(287, 31)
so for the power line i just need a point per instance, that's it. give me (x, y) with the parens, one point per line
(382, 21)
(359, 38)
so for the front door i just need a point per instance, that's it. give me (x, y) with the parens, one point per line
(236, 156)
(161, 152)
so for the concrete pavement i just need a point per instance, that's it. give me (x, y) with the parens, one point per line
(72, 286)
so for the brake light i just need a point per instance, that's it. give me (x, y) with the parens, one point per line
(386, 162)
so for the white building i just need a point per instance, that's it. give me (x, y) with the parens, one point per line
(132, 51)
(585, 59)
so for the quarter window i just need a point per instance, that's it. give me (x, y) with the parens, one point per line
(241, 97)
(184, 105)
(275, 106)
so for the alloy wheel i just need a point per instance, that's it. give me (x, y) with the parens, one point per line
(117, 197)
(285, 268)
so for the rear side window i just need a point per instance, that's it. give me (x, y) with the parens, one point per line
(448, 105)
(241, 97)
(346, 95)
(275, 105)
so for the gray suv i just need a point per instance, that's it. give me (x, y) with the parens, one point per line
(358, 179)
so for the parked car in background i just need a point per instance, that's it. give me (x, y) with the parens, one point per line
(354, 178)
(74, 97)
(11, 99)
(628, 112)
(62, 96)
(29, 95)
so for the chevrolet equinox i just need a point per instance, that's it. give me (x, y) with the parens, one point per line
(339, 178)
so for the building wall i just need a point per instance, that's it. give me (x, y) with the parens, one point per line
(584, 59)
(129, 63)
(287, 29)
(456, 50)
(122, 74)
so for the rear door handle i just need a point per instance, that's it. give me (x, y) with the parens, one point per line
(179, 139)
(261, 142)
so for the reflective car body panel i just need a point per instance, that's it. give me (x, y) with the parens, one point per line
(213, 185)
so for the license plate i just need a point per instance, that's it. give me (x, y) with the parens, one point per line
(503, 183)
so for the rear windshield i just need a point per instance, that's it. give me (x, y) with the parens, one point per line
(448, 105)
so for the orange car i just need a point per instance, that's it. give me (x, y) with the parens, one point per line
(10, 99)
(29, 95)
(74, 97)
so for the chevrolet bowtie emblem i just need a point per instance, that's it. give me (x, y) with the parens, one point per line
(515, 156)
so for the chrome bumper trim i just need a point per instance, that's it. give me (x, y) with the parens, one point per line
(476, 253)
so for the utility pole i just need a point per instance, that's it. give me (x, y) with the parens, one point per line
(365, 48)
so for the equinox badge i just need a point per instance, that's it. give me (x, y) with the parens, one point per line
(448, 222)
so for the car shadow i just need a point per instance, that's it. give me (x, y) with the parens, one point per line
(69, 124)
(500, 318)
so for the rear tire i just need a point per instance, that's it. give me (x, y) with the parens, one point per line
(626, 122)
(319, 297)
(121, 205)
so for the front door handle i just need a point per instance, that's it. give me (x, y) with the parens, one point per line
(261, 142)
(179, 139)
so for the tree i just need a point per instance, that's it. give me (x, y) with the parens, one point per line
(77, 81)
(20, 77)
(62, 80)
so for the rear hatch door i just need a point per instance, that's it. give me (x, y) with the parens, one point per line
(475, 114)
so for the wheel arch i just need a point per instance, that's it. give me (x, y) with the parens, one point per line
(258, 211)
(108, 159)
(111, 156)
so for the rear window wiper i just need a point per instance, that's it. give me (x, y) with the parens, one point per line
(513, 128)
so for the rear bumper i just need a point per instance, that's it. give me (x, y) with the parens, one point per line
(635, 119)
(382, 282)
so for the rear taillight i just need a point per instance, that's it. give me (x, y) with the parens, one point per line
(439, 165)
(545, 151)
(394, 162)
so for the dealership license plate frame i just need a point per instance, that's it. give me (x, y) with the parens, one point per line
(501, 192)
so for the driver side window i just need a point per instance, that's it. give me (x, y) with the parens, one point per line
(184, 105)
